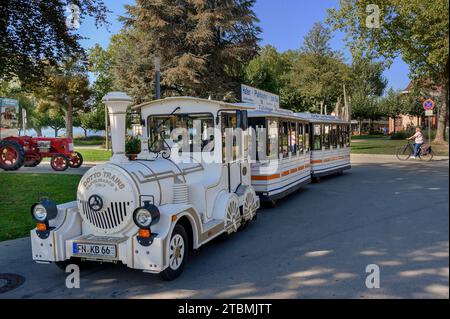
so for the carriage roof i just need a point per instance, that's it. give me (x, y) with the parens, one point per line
(321, 118)
(271, 112)
(213, 103)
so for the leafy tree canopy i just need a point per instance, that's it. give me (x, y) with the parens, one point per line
(35, 33)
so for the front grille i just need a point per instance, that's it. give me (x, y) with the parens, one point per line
(108, 218)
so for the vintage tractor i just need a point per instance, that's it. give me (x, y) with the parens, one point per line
(17, 151)
(27, 151)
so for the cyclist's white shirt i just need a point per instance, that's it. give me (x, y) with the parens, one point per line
(418, 138)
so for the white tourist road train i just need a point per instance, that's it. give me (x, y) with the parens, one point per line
(150, 212)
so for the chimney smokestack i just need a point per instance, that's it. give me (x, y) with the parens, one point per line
(117, 104)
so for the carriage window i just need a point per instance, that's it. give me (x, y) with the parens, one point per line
(341, 132)
(229, 120)
(326, 136)
(317, 137)
(334, 136)
(272, 138)
(306, 145)
(347, 135)
(284, 143)
(259, 125)
(190, 122)
(301, 137)
(293, 138)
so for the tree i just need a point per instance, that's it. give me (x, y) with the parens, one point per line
(102, 65)
(266, 70)
(204, 45)
(366, 76)
(53, 119)
(91, 120)
(35, 33)
(317, 41)
(416, 30)
(66, 91)
(317, 73)
(392, 105)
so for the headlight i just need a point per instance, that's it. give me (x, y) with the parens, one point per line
(44, 210)
(143, 218)
(146, 216)
(39, 213)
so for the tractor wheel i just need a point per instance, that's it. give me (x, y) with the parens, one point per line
(59, 162)
(12, 155)
(32, 163)
(76, 160)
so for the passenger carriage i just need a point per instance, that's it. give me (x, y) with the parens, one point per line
(330, 144)
(283, 161)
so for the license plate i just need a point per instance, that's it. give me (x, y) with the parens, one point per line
(94, 250)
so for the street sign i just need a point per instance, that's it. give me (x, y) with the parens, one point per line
(429, 113)
(429, 104)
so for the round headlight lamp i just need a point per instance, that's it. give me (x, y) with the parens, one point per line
(143, 218)
(44, 211)
(146, 216)
(39, 213)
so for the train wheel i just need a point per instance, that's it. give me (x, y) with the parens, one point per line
(178, 250)
(315, 179)
(12, 155)
(249, 208)
(59, 162)
(32, 163)
(272, 203)
(233, 219)
(76, 160)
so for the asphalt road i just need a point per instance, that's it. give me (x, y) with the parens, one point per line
(315, 244)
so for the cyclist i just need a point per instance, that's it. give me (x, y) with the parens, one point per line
(418, 141)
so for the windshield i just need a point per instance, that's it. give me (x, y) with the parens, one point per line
(165, 130)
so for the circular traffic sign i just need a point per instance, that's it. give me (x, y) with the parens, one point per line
(428, 104)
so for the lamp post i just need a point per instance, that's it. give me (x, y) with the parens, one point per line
(157, 77)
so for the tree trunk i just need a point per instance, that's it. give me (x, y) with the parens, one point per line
(69, 118)
(443, 114)
(38, 131)
(56, 132)
(85, 132)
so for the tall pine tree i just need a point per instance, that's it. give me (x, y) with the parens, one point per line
(204, 45)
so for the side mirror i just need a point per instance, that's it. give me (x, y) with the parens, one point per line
(242, 119)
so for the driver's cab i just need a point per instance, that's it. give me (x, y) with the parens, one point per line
(188, 130)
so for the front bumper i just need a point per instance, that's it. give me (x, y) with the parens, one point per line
(58, 245)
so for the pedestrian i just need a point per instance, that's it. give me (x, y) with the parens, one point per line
(418, 141)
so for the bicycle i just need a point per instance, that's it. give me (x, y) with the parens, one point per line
(405, 152)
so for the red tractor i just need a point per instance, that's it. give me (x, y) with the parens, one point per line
(17, 151)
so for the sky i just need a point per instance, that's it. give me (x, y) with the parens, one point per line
(284, 25)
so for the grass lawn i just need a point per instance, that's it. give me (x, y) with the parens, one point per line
(89, 141)
(20, 191)
(94, 155)
(384, 145)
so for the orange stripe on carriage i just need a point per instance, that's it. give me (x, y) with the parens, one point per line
(265, 177)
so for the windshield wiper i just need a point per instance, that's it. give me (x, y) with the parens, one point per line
(161, 135)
